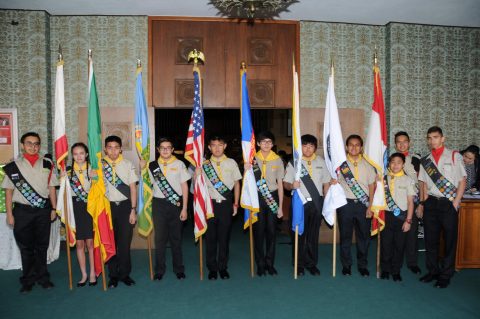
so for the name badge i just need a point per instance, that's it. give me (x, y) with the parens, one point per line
(15, 177)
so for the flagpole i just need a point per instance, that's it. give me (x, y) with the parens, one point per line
(252, 272)
(334, 241)
(295, 264)
(375, 64)
(65, 206)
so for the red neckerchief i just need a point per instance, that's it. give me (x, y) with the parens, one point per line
(405, 153)
(32, 159)
(437, 153)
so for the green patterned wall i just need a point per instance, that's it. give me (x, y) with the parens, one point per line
(116, 43)
(434, 75)
(430, 75)
(24, 80)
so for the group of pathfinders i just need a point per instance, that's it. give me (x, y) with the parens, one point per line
(430, 188)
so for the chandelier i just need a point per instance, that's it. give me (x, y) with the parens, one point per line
(251, 9)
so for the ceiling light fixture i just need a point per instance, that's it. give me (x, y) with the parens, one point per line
(252, 9)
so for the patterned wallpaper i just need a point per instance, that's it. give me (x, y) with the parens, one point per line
(430, 75)
(116, 43)
(24, 80)
(434, 79)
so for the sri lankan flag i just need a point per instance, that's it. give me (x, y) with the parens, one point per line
(98, 206)
(142, 143)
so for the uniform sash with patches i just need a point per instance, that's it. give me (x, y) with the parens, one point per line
(262, 187)
(117, 183)
(77, 187)
(310, 186)
(24, 187)
(213, 177)
(441, 182)
(170, 194)
(352, 183)
(392, 206)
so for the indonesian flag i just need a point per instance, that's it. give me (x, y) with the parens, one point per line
(334, 153)
(98, 205)
(376, 151)
(249, 195)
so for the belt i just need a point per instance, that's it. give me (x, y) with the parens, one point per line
(438, 198)
(48, 206)
(350, 200)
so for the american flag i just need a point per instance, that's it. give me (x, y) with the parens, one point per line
(202, 204)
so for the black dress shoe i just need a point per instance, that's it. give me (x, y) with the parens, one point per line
(272, 271)
(314, 271)
(397, 277)
(47, 284)
(415, 269)
(428, 278)
(442, 283)
(385, 275)
(82, 284)
(260, 272)
(224, 274)
(346, 271)
(300, 271)
(92, 283)
(180, 275)
(364, 272)
(113, 283)
(212, 275)
(128, 281)
(157, 277)
(26, 289)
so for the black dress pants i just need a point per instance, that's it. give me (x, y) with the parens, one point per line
(120, 265)
(264, 231)
(168, 228)
(217, 237)
(411, 243)
(32, 233)
(350, 216)
(392, 244)
(439, 214)
(308, 241)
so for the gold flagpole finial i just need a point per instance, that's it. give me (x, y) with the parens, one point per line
(89, 54)
(332, 65)
(60, 55)
(139, 63)
(375, 57)
(196, 56)
(243, 66)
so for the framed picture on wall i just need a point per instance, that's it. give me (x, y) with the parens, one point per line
(8, 135)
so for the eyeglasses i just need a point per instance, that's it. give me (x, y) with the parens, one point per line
(30, 144)
(267, 142)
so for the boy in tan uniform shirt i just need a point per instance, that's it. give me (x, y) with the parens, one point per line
(443, 180)
(222, 178)
(121, 187)
(30, 186)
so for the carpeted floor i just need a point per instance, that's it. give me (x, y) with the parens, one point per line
(242, 296)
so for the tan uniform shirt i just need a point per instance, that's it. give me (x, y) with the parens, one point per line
(176, 174)
(228, 173)
(126, 172)
(274, 172)
(453, 170)
(410, 171)
(319, 175)
(403, 186)
(37, 177)
(366, 177)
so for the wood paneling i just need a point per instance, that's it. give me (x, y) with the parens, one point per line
(468, 243)
(267, 47)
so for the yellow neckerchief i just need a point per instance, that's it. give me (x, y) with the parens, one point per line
(164, 163)
(80, 171)
(271, 157)
(355, 164)
(218, 162)
(392, 175)
(309, 161)
(113, 164)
